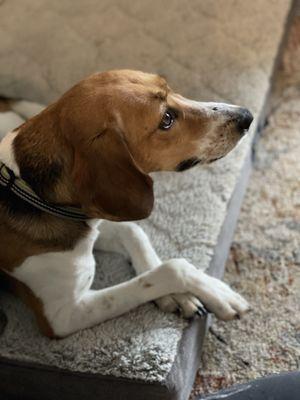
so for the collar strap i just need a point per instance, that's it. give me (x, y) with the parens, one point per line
(21, 189)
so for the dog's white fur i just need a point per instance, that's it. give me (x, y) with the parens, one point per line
(6, 152)
(62, 280)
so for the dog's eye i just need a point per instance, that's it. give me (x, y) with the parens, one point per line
(167, 120)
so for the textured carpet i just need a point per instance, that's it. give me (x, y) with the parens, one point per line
(212, 50)
(265, 257)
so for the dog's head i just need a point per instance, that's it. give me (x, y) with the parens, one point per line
(116, 127)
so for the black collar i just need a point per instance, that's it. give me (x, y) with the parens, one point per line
(20, 188)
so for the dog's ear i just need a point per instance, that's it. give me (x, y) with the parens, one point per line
(109, 184)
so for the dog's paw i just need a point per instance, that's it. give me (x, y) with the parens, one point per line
(195, 289)
(184, 303)
(220, 299)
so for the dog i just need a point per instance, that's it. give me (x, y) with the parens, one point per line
(75, 176)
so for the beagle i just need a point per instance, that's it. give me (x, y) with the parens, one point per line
(76, 174)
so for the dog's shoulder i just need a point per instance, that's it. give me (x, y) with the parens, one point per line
(24, 234)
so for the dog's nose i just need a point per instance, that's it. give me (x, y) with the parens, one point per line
(243, 120)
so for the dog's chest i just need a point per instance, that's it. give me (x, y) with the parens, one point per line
(56, 274)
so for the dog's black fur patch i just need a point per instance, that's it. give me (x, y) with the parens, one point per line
(187, 164)
(39, 175)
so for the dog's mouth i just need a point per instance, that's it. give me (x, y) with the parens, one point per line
(187, 164)
(215, 159)
(191, 162)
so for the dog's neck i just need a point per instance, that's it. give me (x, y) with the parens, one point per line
(13, 182)
(43, 231)
(33, 156)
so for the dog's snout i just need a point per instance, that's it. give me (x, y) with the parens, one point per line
(243, 120)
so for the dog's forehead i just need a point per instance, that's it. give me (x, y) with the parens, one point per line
(120, 89)
(138, 88)
(139, 77)
(137, 81)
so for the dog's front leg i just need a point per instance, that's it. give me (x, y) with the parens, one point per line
(173, 276)
(61, 283)
(67, 314)
(96, 306)
(130, 240)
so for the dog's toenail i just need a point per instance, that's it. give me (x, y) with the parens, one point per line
(202, 311)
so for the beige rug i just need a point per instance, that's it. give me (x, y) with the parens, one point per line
(264, 263)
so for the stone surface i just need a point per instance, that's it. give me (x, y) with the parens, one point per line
(207, 52)
(265, 256)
